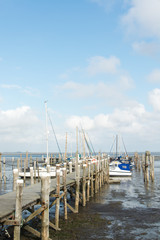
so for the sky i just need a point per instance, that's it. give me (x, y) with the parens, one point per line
(95, 62)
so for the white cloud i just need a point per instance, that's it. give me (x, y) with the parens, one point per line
(154, 99)
(76, 121)
(125, 119)
(143, 18)
(154, 76)
(141, 128)
(135, 123)
(19, 126)
(146, 48)
(112, 93)
(99, 64)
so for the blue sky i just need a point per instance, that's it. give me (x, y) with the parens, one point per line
(97, 62)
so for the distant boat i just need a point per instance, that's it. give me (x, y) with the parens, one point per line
(119, 169)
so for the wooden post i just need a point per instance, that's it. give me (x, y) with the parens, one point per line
(49, 172)
(96, 182)
(38, 170)
(18, 164)
(98, 172)
(27, 159)
(4, 169)
(0, 166)
(12, 163)
(143, 163)
(88, 181)
(107, 178)
(45, 189)
(136, 159)
(24, 171)
(15, 178)
(146, 177)
(57, 199)
(152, 168)
(77, 189)
(18, 212)
(70, 167)
(139, 164)
(21, 160)
(31, 174)
(102, 170)
(84, 185)
(65, 165)
(34, 171)
(30, 160)
(92, 185)
(65, 193)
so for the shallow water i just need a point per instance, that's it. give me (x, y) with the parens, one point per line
(132, 208)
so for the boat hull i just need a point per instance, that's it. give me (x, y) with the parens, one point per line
(120, 174)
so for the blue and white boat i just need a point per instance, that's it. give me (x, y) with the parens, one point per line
(119, 169)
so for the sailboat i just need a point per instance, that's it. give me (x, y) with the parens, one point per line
(119, 167)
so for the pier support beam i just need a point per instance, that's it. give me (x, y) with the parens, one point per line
(146, 174)
(57, 198)
(77, 189)
(45, 189)
(84, 185)
(18, 211)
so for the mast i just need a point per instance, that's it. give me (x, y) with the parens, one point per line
(47, 159)
(116, 146)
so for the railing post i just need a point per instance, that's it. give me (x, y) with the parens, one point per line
(84, 185)
(57, 200)
(18, 212)
(45, 189)
(15, 178)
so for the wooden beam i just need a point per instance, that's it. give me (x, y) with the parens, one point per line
(34, 214)
(12, 222)
(71, 208)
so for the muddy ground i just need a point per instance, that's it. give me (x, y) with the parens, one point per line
(109, 221)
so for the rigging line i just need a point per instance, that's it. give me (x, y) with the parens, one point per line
(112, 145)
(90, 151)
(91, 145)
(55, 135)
(124, 147)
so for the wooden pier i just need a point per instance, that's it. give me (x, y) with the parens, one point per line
(81, 184)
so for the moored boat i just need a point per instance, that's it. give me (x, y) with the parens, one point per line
(119, 169)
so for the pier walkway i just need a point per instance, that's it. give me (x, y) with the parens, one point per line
(31, 196)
